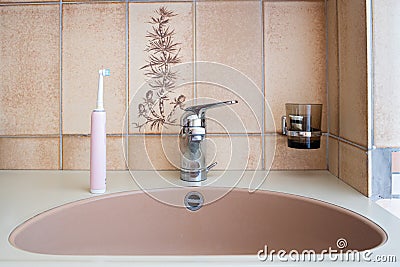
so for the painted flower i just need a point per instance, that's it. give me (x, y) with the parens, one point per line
(149, 95)
(142, 110)
(181, 99)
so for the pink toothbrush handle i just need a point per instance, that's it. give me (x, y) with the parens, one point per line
(98, 152)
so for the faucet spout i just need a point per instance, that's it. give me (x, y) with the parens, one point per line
(200, 110)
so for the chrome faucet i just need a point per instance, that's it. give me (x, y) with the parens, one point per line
(193, 122)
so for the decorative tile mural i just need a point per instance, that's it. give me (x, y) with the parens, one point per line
(160, 73)
(161, 101)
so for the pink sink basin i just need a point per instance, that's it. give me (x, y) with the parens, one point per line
(240, 223)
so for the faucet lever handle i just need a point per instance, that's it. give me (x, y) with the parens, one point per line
(212, 165)
(200, 110)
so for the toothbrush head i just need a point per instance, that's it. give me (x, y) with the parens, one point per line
(105, 72)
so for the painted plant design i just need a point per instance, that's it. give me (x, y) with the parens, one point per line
(159, 105)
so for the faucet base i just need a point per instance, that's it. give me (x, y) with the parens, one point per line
(194, 176)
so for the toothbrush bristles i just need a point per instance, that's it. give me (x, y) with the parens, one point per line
(106, 72)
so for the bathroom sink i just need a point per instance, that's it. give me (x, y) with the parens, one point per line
(239, 223)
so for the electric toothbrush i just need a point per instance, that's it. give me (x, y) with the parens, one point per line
(98, 141)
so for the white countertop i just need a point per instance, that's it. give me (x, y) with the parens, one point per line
(24, 194)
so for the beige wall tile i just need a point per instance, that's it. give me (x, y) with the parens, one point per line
(353, 168)
(29, 153)
(229, 33)
(333, 68)
(395, 161)
(147, 152)
(93, 38)
(333, 156)
(353, 71)
(386, 72)
(237, 118)
(236, 152)
(294, 48)
(76, 153)
(182, 24)
(286, 158)
(116, 152)
(29, 70)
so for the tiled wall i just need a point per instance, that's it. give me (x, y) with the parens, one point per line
(51, 52)
(348, 92)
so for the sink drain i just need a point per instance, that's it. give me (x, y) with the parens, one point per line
(193, 201)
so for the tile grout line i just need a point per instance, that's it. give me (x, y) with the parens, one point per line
(55, 2)
(194, 27)
(32, 136)
(136, 134)
(177, 134)
(371, 75)
(263, 86)
(370, 92)
(343, 140)
(60, 2)
(328, 120)
(61, 87)
(29, 3)
(338, 80)
(127, 100)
